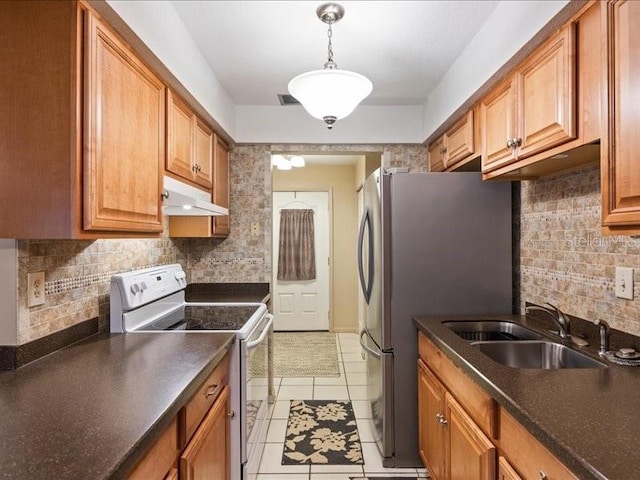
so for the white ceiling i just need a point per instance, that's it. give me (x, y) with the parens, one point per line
(255, 47)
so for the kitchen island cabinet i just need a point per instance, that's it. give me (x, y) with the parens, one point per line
(83, 118)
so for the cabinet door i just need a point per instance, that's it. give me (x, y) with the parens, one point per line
(498, 120)
(459, 141)
(207, 454)
(203, 154)
(431, 433)
(180, 137)
(506, 471)
(221, 224)
(124, 136)
(547, 96)
(620, 167)
(471, 455)
(436, 155)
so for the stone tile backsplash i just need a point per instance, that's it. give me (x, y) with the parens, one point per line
(564, 258)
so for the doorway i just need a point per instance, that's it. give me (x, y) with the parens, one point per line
(300, 305)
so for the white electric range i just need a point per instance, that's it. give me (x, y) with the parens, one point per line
(153, 300)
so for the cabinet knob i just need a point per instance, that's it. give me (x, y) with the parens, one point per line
(441, 420)
(231, 414)
(543, 476)
(511, 144)
(518, 141)
(443, 150)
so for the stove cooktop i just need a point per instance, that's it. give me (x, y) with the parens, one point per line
(204, 317)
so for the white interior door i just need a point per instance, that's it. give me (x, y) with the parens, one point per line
(302, 305)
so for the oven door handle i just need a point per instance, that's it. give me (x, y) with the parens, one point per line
(264, 333)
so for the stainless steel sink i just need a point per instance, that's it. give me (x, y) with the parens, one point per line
(535, 354)
(489, 330)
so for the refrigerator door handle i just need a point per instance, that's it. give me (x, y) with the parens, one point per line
(366, 286)
(366, 348)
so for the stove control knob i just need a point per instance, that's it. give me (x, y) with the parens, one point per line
(143, 286)
(135, 288)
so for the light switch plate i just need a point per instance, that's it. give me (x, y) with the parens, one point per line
(35, 288)
(624, 283)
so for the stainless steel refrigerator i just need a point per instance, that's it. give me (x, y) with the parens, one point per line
(429, 244)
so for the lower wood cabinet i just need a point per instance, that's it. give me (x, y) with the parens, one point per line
(196, 445)
(462, 431)
(506, 471)
(207, 454)
(431, 439)
(451, 444)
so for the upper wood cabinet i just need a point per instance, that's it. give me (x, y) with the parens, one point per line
(457, 146)
(436, 151)
(545, 117)
(620, 167)
(124, 135)
(498, 119)
(221, 188)
(534, 109)
(189, 143)
(209, 227)
(83, 118)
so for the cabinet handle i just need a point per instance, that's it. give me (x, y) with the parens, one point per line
(212, 391)
(543, 476)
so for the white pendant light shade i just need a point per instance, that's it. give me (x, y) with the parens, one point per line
(330, 92)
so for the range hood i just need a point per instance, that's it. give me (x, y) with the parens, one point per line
(187, 201)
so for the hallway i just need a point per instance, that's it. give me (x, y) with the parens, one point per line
(350, 385)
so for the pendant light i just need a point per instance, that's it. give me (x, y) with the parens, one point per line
(330, 94)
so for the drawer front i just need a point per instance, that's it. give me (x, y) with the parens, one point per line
(527, 455)
(160, 458)
(195, 410)
(479, 405)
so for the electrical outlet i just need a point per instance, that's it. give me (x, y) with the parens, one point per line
(35, 289)
(624, 283)
(255, 229)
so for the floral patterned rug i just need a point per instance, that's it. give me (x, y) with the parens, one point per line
(322, 432)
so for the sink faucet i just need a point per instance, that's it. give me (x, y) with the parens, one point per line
(562, 321)
(604, 336)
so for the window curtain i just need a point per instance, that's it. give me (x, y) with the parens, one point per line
(297, 250)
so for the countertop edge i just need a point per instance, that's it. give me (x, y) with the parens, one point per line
(564, 453)
(140, 448)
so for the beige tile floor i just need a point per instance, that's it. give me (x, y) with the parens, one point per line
(350, 385)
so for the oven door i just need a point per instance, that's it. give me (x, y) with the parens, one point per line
(255, 400)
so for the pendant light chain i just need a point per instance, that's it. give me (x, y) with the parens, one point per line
(330, 63)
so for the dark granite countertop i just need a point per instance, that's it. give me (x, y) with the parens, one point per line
(587, 417)
(91, 410)
(228, 292)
